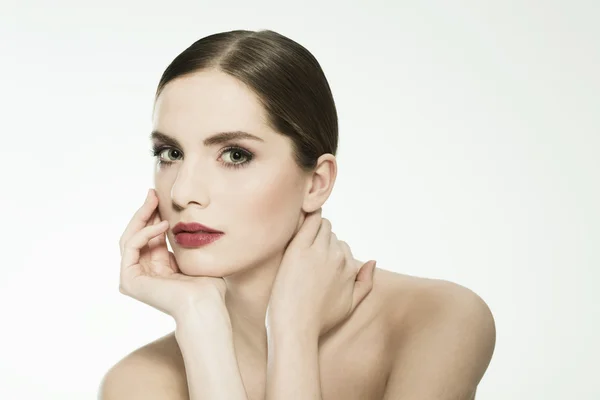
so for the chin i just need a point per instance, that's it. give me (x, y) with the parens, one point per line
(196, 262)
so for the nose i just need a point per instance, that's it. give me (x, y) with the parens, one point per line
(191, 186)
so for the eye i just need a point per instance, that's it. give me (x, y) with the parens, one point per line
(231, 157)
(157, 151)
(235, 156)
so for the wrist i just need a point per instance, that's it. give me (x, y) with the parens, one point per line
(292, 333)
(202, 317)
(291, 324)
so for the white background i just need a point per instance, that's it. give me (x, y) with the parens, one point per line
(469, 151)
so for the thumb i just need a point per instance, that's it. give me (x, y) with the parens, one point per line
(363, 283)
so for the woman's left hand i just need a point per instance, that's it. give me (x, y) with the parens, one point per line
(319, 284)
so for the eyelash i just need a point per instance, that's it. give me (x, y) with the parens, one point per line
(157, 150)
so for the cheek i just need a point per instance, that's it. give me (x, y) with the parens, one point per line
(271, 206)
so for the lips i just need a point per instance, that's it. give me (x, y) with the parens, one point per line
(196, 239)
(193, 227)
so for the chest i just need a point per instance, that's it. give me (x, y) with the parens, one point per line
(352, 369)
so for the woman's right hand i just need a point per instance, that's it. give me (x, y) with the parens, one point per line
(149, 271)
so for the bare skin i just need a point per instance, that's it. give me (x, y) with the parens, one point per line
(410, 338)
(356, 358)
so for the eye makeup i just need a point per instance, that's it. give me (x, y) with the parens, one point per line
(233, 152)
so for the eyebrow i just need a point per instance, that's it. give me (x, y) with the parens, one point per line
(219, 138)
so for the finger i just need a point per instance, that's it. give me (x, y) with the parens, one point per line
(363, 283)
(151, 222)
(140, 219)
(309, 229)
(346, 249)
(333, 240)
(336, 253)
(173, 263)
(323, 237)
(131, 252)
(348, 257)
(158, 244)
(154, 218)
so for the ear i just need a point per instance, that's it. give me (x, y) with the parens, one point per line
(320, 183)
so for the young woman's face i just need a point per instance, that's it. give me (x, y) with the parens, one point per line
(250, 189)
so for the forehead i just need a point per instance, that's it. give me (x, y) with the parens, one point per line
(206, 102)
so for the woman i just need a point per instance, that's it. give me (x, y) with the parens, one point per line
(268, 303)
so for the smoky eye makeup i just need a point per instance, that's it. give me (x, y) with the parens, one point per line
(231, 156)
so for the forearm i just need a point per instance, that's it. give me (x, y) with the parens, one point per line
(293, 365)
(206, 343)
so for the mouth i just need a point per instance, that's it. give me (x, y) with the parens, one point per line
(200, 232)
(193, 228)
(196, 238)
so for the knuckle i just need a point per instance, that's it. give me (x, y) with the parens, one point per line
(338, 255)
(320, 251)
(126, 245)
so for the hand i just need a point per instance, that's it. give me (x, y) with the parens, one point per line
(319, 284)
(149, 271)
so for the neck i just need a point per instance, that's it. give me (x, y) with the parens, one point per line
(246, 299)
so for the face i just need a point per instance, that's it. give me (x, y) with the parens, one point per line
(249, 188)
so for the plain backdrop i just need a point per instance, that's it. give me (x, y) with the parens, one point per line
(469, 151)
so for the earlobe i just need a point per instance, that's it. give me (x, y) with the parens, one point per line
(310, 207)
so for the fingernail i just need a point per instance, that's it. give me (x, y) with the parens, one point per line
(148, 194)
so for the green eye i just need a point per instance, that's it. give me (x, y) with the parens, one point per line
(157, 151)
(231, 157)
(235, 156)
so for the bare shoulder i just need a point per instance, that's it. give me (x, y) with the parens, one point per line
(153, 371)
(414, 301)
(445, 337)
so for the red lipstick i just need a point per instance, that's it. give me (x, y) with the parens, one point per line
(192, 227)
(194, 234)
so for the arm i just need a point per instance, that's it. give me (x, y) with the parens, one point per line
(206, 342)
(293, 365)
(445, 357)
(155, 372)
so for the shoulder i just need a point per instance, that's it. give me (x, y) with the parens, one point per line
(153, 371)
(414, 303)
(444, 333)
(452, 307)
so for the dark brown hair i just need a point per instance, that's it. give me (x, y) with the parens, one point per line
(286, 77)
